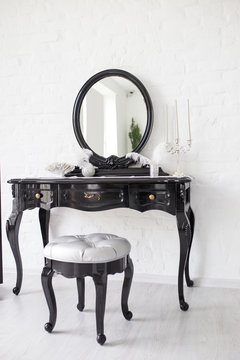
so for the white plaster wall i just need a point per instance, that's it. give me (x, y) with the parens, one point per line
(178, 49)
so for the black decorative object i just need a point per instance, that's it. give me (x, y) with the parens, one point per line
(165, 193)
(113, 161)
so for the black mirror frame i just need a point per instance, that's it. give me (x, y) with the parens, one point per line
(113, 161)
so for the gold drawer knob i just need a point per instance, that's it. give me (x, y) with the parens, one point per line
(151, 197)
(37, 196)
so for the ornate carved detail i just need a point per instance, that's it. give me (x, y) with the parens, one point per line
(47, 271)
(92, 196)
(182, 192)
(66, 195)
(114, 162)
(187, 228)
(13, 191)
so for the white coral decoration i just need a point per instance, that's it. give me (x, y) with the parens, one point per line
(60, 169)
(142, 160)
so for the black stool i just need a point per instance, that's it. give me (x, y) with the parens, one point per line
(95, 255)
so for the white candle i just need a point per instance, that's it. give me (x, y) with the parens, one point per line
(189, 128)
(177, 128)
(166, 124)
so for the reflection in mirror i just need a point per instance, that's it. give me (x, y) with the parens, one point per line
(108, 110)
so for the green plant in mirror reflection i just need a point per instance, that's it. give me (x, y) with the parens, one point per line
(134, 134)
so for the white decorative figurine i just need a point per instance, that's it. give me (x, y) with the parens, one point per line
(88, 170)
(84, 164)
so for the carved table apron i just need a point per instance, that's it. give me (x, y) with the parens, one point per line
(142, 193)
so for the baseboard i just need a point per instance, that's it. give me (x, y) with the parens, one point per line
(198, 282)
(219, 283)
(154, 278)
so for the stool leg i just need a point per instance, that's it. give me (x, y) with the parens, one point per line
(46, 277)
(128, 275)
(100, 282)
(81, 293)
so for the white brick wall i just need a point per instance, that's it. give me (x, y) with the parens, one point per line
(178, 49)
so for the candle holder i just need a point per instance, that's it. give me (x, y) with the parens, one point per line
(179, 150)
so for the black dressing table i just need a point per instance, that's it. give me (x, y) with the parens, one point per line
(114, 185)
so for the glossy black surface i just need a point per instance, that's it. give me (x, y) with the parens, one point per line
(99, 273)
(166, 193)
(113, 161)
(46, 278)
(132, 171)
(81, 292)
(126, 290)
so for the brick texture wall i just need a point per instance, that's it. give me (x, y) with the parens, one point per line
(178, 49)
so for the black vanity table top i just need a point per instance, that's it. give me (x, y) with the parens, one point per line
(103, 179)
(101, 193)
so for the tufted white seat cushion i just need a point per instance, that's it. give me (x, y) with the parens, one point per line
(91, 248)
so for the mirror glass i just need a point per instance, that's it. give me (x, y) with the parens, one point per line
(113, 116)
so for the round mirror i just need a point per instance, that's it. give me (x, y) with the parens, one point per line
(112, 116)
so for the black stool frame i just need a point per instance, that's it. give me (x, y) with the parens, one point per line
(99, 273)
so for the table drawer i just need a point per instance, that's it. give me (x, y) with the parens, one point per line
(93, 197)
(152, 196)
(38, 195)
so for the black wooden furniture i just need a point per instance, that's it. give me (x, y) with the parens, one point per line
(142, 193)
(115, 184)
(95, 255)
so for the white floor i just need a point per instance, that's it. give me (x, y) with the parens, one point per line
(159, 329)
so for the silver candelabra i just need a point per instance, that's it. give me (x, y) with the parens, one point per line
(179, 150)
(176, 147)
